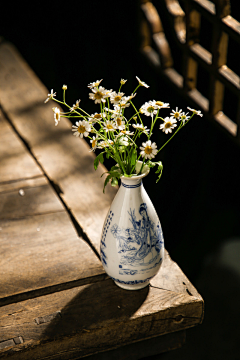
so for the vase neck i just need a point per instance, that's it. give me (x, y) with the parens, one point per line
(131, 182)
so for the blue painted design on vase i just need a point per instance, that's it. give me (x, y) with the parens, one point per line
(141, 243)
(132, 186)
(104, 234)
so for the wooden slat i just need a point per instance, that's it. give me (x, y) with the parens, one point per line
(30, 200)
(100, 316)
(70, 165)
(42, 251)
(15, 162)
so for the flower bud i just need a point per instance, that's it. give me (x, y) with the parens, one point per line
(64, 87)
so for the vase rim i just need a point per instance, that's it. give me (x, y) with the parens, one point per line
(145, 172)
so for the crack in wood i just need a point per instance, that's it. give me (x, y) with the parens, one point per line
(32, 215)
(51, 289)
(21, 179)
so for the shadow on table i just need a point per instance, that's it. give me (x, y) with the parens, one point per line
(95, 313)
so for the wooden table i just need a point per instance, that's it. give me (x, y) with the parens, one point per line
(56, 300)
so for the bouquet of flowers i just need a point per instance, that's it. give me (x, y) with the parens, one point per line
(117, 136)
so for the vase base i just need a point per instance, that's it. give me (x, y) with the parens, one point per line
(132, 286)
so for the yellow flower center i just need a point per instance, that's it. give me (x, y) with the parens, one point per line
(176, 115)
(97, 116)
(148, 150)
(150, 109)
(119, 121)
(168, 125)
(57, 116)
(183, 117)
(81, 129)
(94, 143)
(98, 95)
(109, 126)
(159, 103)
(117, 98)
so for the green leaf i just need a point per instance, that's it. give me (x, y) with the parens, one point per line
(159, 170)
(106, 181)
(160, 167)
(114, 181)
(115, 174)
(98, 158)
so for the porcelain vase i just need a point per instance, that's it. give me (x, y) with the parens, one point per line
(132, 245)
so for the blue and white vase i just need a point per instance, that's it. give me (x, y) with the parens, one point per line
(132, 245)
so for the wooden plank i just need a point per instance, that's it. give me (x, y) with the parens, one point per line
(70, 165)
(76, 322)
(145, 348)
(15, 162)
(39, 198)
(42, 251)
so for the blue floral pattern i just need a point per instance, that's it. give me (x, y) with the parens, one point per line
(104, 234)
(139, 244)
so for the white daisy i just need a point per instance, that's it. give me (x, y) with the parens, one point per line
(94, 84)
(115, 98)
(122, 82)
(120, 123)
(149, 149)
(149, 108)
(140, 127)
(57, 115)
(104, 144)
(98, 95)
(109, 126)
(125, 132)
(123, 141)
(109, 110)
(130, 97)
(184, 117)
(121, 105)
(197, 112)
(176, 113)
(168, 125)
(94, 143)
(142, 83)
(160, 104)
(82, 129)
(75, 106)
(96, 117)
(50, 96)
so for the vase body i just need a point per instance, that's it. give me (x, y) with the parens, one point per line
(132, 245)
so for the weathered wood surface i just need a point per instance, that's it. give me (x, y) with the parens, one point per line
(70, 165)
(16, 162)
(40, 250)
(100, 316)
(43, 251)
(29, 200)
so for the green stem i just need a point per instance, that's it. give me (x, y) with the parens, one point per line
(136, 112)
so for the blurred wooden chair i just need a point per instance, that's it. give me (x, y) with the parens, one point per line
(185, 26)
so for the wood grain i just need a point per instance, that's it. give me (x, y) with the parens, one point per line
(70, 165)
(15, 162)
(42, 251)
(30, 200)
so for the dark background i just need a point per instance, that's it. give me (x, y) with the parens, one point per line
(198, 196)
